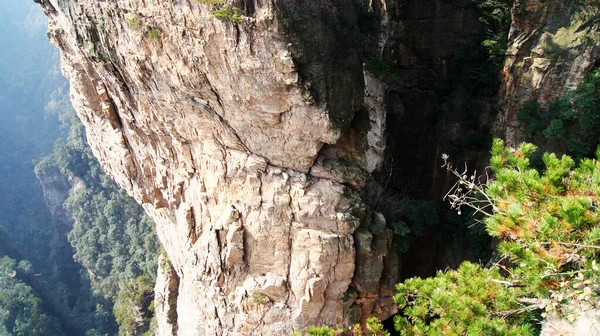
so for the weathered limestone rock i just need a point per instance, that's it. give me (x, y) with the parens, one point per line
(552, 46)
(166, 292)
(213, 125)
(375, 95)
(586, 322)
(56, 187)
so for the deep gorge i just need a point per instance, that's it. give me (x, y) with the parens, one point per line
(290, 153)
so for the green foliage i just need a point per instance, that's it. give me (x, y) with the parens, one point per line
(381, 68)
(133, 21)
(73, 156)
(415, 218)
(547, 227)
(6, 247)
(569, 125)
(35, 110)
(154, 34)
(228, 14)
(547, 223)
(496, 18)
(528, 115)
(64, 298)
(480, 60)
(420, 214)
(21, 310)
(369, 26)
(321, 331)
(462, 302)
(484, 62)
(408, 218)
(152, 327)
(112, 237)
(260, 298)
(134, 308)
(63, 286)
(373, 327)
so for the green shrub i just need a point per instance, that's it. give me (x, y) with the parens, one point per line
(133, 307)
(112, 237)
(539, 218)
(228, 14)
(373, 327)
(462, 302)
(381, 68)
(133, 21)
(260, 298)
(154, 34)
(21, 310)
(320, 331)
(496, 17)
(547, 225)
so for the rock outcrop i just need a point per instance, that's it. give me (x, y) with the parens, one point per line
(552, 46)
(214, 126)
(166, 292)
(56, 187)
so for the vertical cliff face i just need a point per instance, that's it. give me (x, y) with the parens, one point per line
(429, 47)
(552, 46)
(213, 125)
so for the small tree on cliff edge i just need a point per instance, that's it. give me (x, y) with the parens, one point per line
(548, 227)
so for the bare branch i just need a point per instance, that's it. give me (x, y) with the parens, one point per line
(537, 305)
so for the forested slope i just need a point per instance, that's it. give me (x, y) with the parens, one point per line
(112, 238)
(44, 289)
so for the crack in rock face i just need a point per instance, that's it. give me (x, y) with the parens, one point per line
(212, 125)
